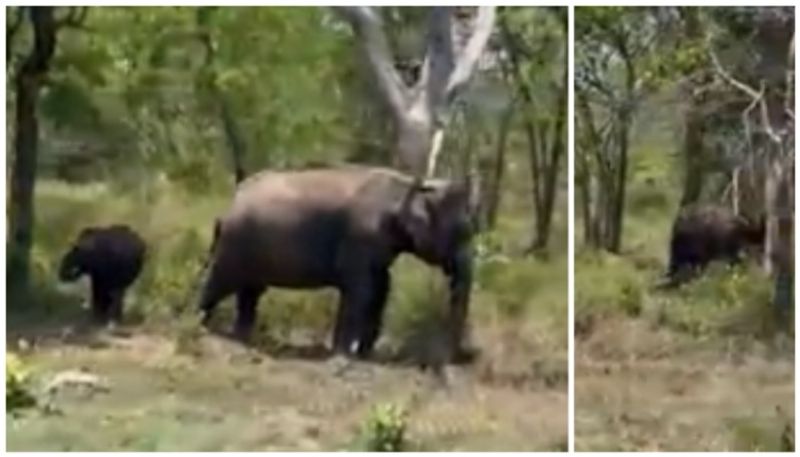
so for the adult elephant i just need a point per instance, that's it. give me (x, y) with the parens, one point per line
(342, 228)
(703, 233)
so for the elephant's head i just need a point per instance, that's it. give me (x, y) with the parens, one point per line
(76, 261)
(434, 217)
(435, 220)
(751, 231)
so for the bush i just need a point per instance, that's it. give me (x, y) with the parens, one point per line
(385, 429)
(188, 331)
(772, 434)
(18, 385)
(722, 299)
(605, 283)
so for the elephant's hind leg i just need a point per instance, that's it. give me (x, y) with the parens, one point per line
(214, 291)
(247, 302)
(101, 302)
(115, 306)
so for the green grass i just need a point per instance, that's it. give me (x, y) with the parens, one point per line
(700, 367)
(174, 386)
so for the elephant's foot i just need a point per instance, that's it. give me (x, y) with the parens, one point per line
(365, 350)
(463, 355)
(242, 334)
(205, 317)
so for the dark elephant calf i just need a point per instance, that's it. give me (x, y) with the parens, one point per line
(112, 257)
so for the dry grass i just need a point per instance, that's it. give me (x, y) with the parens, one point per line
(648, 389)
(229, 398)
(174, 387)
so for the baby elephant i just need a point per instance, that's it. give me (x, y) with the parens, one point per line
(112, 257)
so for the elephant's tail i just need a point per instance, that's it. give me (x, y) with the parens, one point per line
(201, 275)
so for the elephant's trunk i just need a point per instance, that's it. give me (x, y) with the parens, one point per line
(459, 272)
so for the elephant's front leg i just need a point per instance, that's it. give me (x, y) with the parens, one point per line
(101, 302)
(246, 302)
(373, 314)
(460, 278)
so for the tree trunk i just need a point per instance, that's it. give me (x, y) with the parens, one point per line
(28, 82)
(413, 141)
(618, 205)
(694, 123)
(234, 138)
(233, 133)
(498, 167)
(694, 154)
(582, 177)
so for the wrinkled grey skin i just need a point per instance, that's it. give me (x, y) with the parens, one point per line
(341, 228)
(112, 257)
(703, 233)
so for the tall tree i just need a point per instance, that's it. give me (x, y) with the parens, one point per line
(536, 48)
(419, 109)
(29, 77)
(208, 81)
(609, 83)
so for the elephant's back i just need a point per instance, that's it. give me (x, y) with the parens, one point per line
(705, 220)
(284, 227)
(122, 252)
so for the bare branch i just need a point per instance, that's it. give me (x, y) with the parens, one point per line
(789, 99)
(11, 31)
(368, 27)
(757, 96)
(75, 17)
(468, 58)
(730, 79)
(439, 57)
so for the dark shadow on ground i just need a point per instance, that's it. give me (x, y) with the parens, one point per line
(382, 356)
(45, 316)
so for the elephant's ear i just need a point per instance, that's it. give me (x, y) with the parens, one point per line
(414, 217)
(87, 238)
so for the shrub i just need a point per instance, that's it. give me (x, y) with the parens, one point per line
(18, 385)
(605, 283)
(385, 429)
(723, 299)
(188, 331)
(773, 434)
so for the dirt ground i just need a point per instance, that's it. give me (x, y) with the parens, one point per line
(640, 387)
(230, 398)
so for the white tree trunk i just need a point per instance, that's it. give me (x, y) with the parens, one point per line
(420, 111)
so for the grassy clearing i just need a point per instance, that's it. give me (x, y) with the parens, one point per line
(174, 386)
(702, 367)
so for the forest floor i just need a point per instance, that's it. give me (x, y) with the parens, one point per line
(644, 388)
(172, 388)
(226, 397)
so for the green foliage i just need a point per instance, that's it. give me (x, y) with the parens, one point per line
(605, 283)
(188, 330)
(417, 309)
(724, 300)
(384, 430)
(132, 87)
(283, 312)
(19, 395)
(763, 434)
